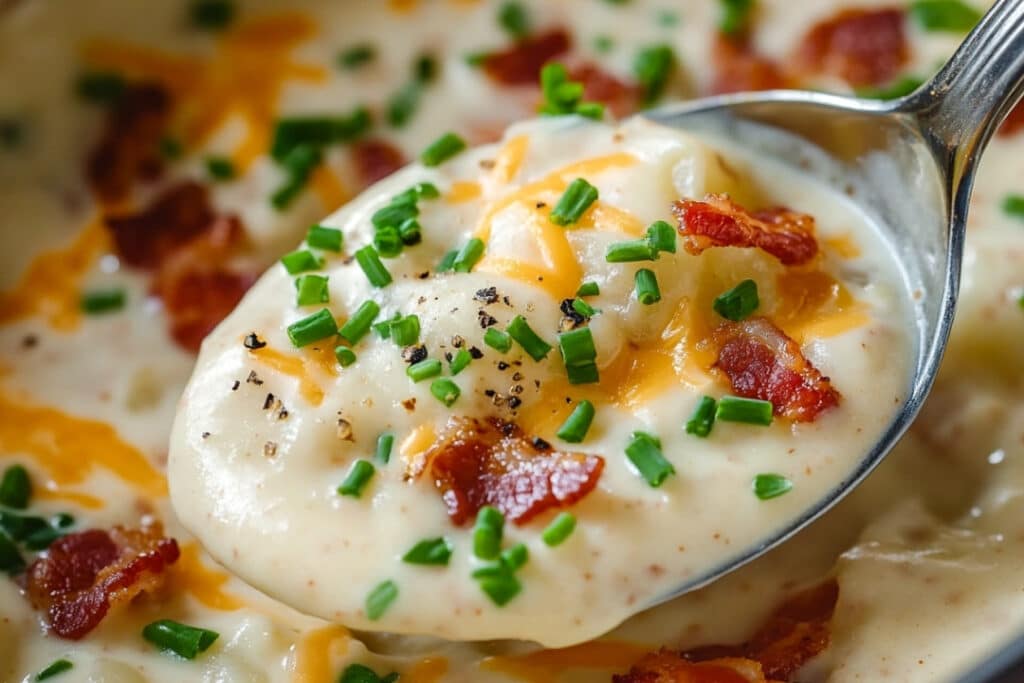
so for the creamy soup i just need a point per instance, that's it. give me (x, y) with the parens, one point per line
(143, 195)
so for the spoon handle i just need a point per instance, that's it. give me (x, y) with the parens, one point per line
(962, 107)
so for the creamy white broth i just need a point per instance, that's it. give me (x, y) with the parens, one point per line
(944, 462)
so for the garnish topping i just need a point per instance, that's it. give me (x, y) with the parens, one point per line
(644, 451)
(576, 426)
(445, 391)
(560, 528)
(380, 599)
(15, 487)
(748, 410)
(563, 97)
(313, 328)
(425, 369)
(521, 332)
(703, 418)
(369, 260)
(356, 327)
(579, 355)
(181, 639)
(311, 290)
(359, 475)
(301, 261)
(768, 486)
(442, 149)
(738, 303)
(574, 202)
(647, 291)
(328, 239)
(430, 551)
(103, 301)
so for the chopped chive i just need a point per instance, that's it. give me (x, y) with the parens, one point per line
(703, 418)
(424, 69)
(662, 236)
(442, 149)
(170, 148)
(403, 104)
(103, 301)
(944, 15)
(588, 289)
(487, 533)
(312, 290)
(447, 261)
(316, 132)
(647, 291)
(583, 308)
(345, 356)
(357, 56)
(375, 271)
(515, 557)
(181, 639)
(62, 520)
(212, 15)
(394, 214)
(562, 96)
(579, 355)
(445, 391)
(15, 487)
(893, 91)
(220, 168)
(41, 540)
(411, 232)
(467, 257)
(653, 66)
(748, 410)
(735, 16)
(584, 373)
(575, 427)
(11, 560)
(299, 164)
(573, 204)
(514, 18)
(459, 361)
(667, 18)
(561, 528)
(385, 442)
(426, 190)
(100, 87)
(356, 327)
(425, 369)
(21, 527)
(301, 261)
(644, 451)
(767, 486)
(388, 241)
(603, 44)
(1013, 205)
(313, 328)
(497, 340)
(380, 598)
(328, 239)
(430, 551)
(501, 587)
(531, 342)
(383, 328)
(359, 475)
(739, 302)
(357, 673)
(406, 331)
(629, 251)
(58, 667)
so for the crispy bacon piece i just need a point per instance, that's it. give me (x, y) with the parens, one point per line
(621, 98)
(83, 575)
(521, 63)
(762, 362)
(129, 147)
(795, 633)
(738, 68)
(861, 46)
(720, 222)
(491, 462)
(375, 159)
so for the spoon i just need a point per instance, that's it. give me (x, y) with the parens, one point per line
(912, 163)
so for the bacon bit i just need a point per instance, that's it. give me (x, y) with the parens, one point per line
(83, 575)
(1014, 121)
(620, 97)
(491, 462)
(762, 362)
(376, 159)
(521, 63)
(720, 222)
(795, 633)
(861, 46)
(129, 147)
(738, 68)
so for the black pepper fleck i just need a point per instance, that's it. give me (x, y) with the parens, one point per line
(206, 435)
(409, 404)
(514, 402)
(268, 402)
(424, 275)
(476, 353)
(502, 365)
(517, 376)
(540, 444)
(516, 389)
(487, 295)
(253, 378)
(253, 342)
(234, 387)
(269, 449)
(486, 319)
(414, 354)
(458, 342)
(29, 341)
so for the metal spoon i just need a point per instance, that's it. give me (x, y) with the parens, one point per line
(913, 162)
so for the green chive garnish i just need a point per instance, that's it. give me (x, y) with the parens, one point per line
(588, 289)
(15, 487)
(411, 232)
(328, 239)
(653, 67)
(703, 418)
(583, 308)
(561, 528)
(747, 410)
(403, 104)
(735, 16)
(357, 673)
(356, 56)
(103, 301)
(406, 331)
(514, 19)
(630, 250)
(345, 356)
(11, 560)
(184, 641)
(299, 163)
(394, 214)
(1013, 205)
(531, 342)
(901, 87)
(469, 255)
(460, 360)
(497, 340)
(359, 475)
(575, 428)
(220, 168)
(212, 15)
(944, 15)
(647, 291)
(425, 369)
(301, 261)
(662, 236)
(356, 327)
(516, 557)
(388, 241)
(644, 451)
(579, 355)
(316, 132)
(767, 486)
(430, 551)
(739, 302)
(442, 149)
(370, 262)
(385, 442)
(487, 533)
(500, 586)
(445, 391)
(58, 667)
(100, 87)
(562, 96)
(320, 325)
(170, 148)
(380, 598)
(604, 44)
(312, 290)
(447, 261)
(574, 202)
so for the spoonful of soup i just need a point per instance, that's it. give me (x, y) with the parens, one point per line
(529, 389)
